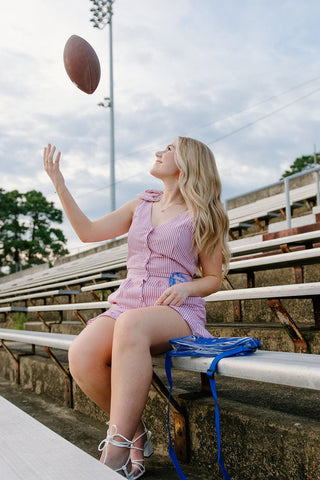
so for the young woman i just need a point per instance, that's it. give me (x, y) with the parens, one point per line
(172, 235)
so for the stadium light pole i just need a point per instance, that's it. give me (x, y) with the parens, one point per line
(102, 16)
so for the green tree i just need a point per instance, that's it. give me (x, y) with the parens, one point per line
(12, 230)
(27, 236)
(303, 163)
(45, 241)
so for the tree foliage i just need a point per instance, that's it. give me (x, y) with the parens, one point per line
(300, 164)
(27, 234)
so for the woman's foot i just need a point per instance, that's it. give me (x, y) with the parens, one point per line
(116, 451)
(141, 448)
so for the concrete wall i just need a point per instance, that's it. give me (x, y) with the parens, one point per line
(267, 431)
(269, 191)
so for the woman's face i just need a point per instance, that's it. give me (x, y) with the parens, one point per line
(165, 164)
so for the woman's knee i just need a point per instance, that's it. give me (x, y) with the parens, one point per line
(78, 358)
(89, 352)
(129, 330)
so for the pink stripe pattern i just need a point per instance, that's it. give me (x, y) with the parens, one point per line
(154, 254)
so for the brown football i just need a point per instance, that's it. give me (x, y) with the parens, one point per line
(82, 64)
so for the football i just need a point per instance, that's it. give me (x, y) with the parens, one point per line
(82, 64)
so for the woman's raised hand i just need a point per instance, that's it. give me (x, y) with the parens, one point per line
(52, 167)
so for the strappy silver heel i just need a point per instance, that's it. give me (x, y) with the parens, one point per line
(138, 464)
(125, 443)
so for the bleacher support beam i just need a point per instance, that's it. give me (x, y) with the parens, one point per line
(285, 319)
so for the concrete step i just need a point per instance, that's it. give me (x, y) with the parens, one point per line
(68, 327)
(272, 336)
(267, 431)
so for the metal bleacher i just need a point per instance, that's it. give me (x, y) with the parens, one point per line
(276, 205)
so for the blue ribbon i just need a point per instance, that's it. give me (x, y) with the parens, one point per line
(176, 278)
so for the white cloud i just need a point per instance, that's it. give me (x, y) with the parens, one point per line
(205, 70)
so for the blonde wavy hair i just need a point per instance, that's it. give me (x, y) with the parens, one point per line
(200, 186)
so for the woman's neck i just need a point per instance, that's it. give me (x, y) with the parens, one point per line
(171, 196)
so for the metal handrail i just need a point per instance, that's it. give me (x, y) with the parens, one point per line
(286, 182)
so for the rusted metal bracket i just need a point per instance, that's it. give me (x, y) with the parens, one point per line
(284, 248)
(47, 325)
(285, 319)
(298, 272)
(180, 424)
(316, 311)
(259, 224)
(236, 303)
(80, 317)
(16, 358)
(54, 300)
(237, 313)
(283, 212)
(67, 375)
(231, 234)
(250, 279)
(226, 282)
(72, 296)
(40, 317)
(95, 296)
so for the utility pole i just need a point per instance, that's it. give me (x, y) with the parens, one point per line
(102, 16)
(317, 175)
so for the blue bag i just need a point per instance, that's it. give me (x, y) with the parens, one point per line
(218, 348)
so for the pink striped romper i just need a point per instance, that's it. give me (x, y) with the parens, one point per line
(154, 254)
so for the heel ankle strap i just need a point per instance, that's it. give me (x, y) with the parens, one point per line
(145, 432)
(111, 433)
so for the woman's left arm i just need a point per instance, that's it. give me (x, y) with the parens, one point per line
(210, 282)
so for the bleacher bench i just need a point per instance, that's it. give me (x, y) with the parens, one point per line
(282, 368)
(101, 287)
(31, 451)
(41, 286)
(57, 307)
(282, 260)
(64, 274)
(302, 257)
(11, 309)
(259, 246)
(303, 290)
(273, 294)
(40, 295)
(269, 206)
(60, 308)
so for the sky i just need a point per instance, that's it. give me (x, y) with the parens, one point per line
(241, 76)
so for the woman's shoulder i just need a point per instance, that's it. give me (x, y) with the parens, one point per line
(151, 195)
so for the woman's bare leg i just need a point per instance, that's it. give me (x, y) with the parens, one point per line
(90, 361)
(137, 334)
(90, 366)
